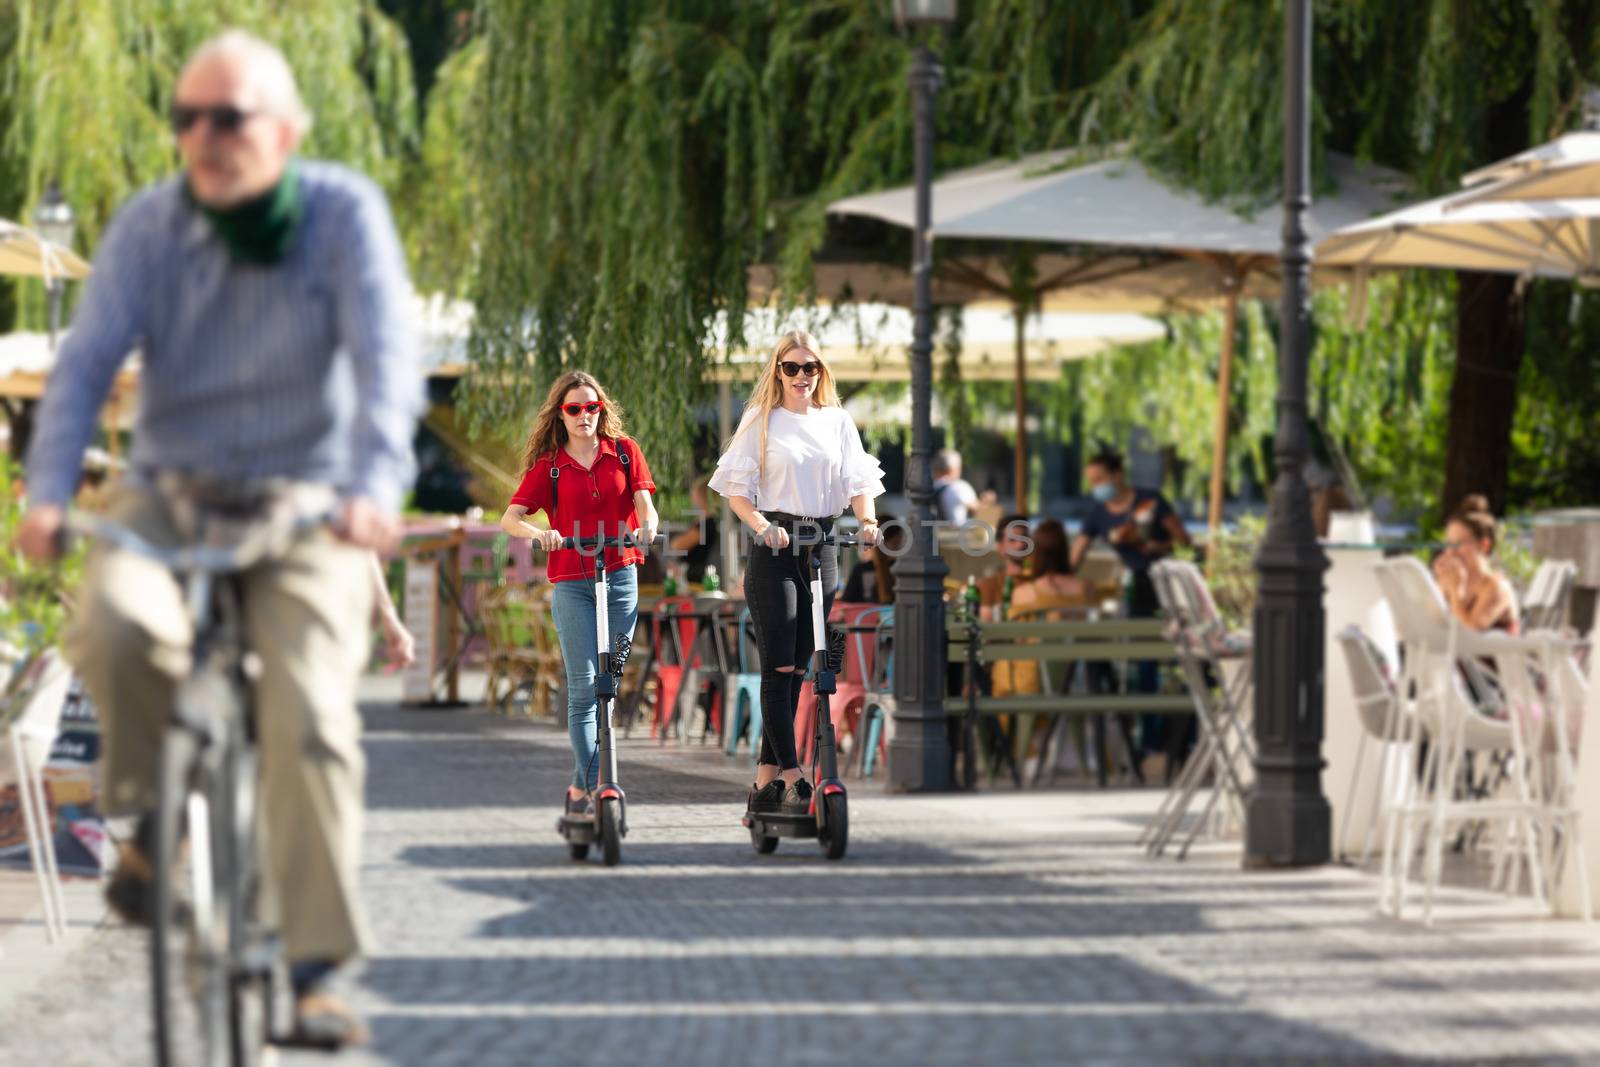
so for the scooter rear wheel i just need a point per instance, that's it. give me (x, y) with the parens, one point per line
(763, 845)
(610, 830)
(579, 852)
(834, 833)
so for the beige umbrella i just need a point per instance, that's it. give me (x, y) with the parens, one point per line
(1567, 168)
(869, 343)
(1137, 243)
(1467, 231)
(24, 252)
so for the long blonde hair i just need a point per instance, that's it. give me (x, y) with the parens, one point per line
(768, 392)
(550, 433)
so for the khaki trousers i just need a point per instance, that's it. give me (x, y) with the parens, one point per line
(307, 617)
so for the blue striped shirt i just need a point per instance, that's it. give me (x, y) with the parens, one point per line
(307, 369)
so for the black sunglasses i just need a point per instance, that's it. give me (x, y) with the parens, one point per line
(792, 369)
(224, 118)
(591, 407)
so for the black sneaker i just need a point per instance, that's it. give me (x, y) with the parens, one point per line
(582, 806)
(797, 799)
(769, 797)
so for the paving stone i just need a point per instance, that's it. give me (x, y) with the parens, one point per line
(996, 928)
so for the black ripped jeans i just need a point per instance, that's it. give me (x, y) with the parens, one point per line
(777, 589)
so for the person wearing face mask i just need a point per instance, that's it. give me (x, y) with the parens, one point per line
(1141, 527)
(590, 481)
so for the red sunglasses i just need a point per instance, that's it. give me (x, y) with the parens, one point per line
(591, 407)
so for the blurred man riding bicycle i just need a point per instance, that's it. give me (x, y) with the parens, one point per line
(268, 298)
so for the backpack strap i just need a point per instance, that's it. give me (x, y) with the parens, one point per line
(555, 486)
(627, 465)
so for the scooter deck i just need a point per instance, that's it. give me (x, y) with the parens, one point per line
(578, 829)
(782, 823)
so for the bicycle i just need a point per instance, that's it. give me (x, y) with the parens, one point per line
(207, 931)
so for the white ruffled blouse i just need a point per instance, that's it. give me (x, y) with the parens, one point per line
(815, 463)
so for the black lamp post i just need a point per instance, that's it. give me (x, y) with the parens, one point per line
(919, 755)
(54, 221)
(1287, 819)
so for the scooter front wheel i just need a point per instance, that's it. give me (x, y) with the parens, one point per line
(610, 830)
(834, 833)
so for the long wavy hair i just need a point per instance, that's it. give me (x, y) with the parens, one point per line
(768, 392)
(550, 433)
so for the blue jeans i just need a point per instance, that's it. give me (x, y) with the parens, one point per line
(572, 605)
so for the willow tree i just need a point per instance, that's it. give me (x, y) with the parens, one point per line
(88, 83)
(638, 157)
(1432, 87)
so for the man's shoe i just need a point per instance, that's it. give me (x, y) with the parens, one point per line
(129, 892)
(769, 798)
(797, 798)
(325, 1022)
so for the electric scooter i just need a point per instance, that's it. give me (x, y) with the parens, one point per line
(607, 822)
(829, 818)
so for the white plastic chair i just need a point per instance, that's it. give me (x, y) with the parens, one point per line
(1203, 642)
(1379, 707)
(32, 734)
(1527, 810)
(1544, 605)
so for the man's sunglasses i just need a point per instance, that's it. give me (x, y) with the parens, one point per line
(590, 408)
(224, 118)
(792, 369)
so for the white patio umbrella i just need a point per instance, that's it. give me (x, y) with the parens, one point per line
(1567, 168)
(24, 252)
(1468, 231)
(869, 343)
(1134, 241)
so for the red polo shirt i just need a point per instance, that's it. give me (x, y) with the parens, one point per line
(589, 502)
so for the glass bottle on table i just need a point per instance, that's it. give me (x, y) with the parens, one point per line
(971, 598)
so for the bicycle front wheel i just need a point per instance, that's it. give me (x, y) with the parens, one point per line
(187, 942)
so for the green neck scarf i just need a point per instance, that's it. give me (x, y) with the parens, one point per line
(259, 231)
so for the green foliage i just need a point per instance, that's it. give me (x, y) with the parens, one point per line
(87, 85)
(1232, 570)
(640, 157)
(444, 238)
(31, 595)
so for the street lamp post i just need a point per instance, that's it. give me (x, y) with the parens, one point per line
(1287, 819)
(54, 221)
(919, 755)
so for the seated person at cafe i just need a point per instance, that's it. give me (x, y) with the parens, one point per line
(1015, 544)
(700, 541)
(1049, 584)
(1478, 593)
(871, 580)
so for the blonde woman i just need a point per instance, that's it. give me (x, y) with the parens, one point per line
(590, 481)
(792, 467)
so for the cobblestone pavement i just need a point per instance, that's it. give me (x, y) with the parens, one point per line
(998, 929)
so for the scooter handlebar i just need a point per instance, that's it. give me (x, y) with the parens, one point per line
(626, 540)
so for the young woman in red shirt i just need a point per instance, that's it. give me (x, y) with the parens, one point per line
(590, 481)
